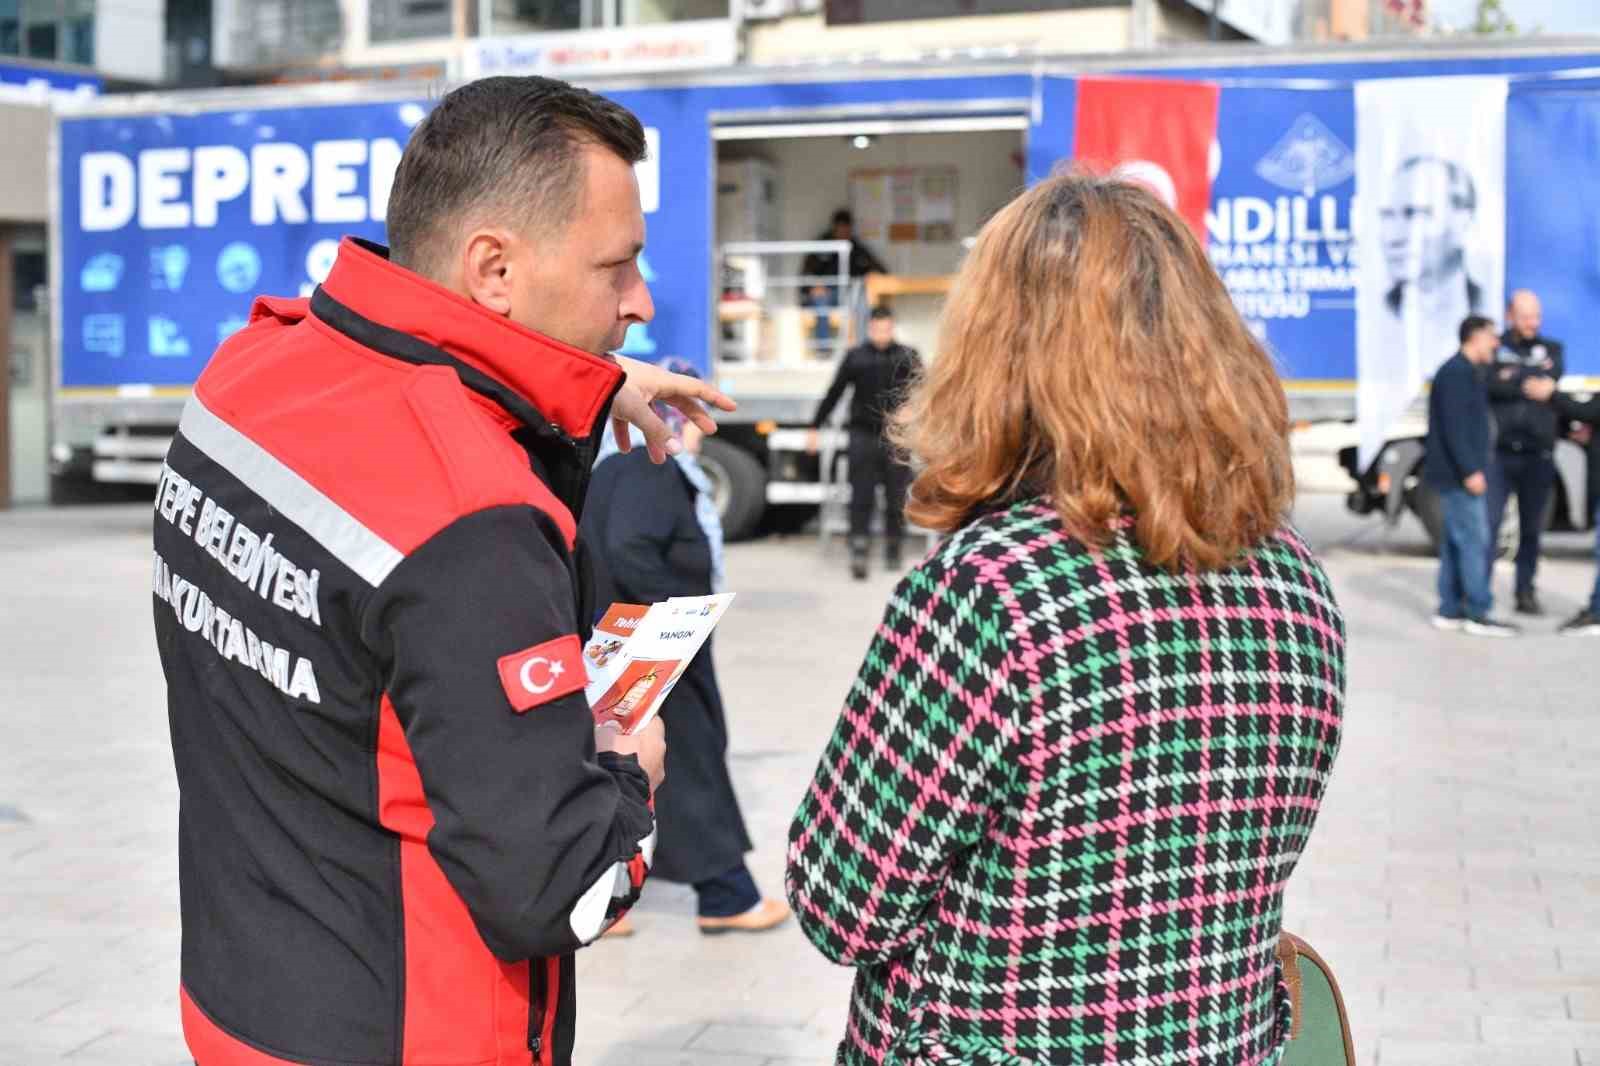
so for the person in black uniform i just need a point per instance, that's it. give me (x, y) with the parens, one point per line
(1521, 384)
(878, 372)
(651, 532)
(1586, 623)
(822, 297)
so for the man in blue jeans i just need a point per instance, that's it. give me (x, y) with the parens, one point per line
(1458, 455)
(1586, 623)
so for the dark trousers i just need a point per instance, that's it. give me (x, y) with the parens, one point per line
(728, 894)
(873, 463)
(1594, 597)
(1531, 477)
(1463, 579)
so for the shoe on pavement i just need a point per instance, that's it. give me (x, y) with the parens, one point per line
(1488, 627)
(620, 929)
(768, 914)
(1528, 604)
(1583, 624)
(1449, 623)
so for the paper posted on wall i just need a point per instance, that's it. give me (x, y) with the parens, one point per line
(637, 654)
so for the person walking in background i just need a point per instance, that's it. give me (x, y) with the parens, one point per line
(878, 373)
(1104, 711)
(1586, 623)
(652, 532)
(1527, 367)
(824, 297)
(1454, 467)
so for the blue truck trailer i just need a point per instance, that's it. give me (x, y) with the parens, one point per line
(172, 210)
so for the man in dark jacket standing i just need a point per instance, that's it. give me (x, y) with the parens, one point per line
(822, 297)
(1526, 369)
(398, 818)
(878, 372)
(1586, 623)
(1458, 452)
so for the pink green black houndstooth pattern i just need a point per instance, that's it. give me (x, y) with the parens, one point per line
(1055, 819)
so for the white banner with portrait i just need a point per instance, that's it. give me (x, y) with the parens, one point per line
(1430, 233)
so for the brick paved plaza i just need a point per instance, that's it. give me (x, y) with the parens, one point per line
(1453, 880)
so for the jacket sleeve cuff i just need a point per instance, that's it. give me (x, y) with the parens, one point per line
(629, 774)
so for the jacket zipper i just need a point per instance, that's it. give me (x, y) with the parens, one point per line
(538, 992)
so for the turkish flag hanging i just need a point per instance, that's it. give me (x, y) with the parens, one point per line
(1156, 132)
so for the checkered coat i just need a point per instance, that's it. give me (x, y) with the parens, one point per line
(1056, 817)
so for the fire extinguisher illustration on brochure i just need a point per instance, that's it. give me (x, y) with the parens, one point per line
(623, 709)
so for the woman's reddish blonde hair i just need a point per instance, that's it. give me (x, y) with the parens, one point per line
(1089, 354)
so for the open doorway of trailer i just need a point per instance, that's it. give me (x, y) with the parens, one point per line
(792, 289)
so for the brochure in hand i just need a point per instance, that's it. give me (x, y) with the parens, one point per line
(638, 653)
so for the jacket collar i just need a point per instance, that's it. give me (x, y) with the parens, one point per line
(537, 380)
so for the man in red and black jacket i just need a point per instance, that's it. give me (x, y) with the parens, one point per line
(398, 820)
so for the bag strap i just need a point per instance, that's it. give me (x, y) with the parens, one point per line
(1289, 960)
(1290, 948)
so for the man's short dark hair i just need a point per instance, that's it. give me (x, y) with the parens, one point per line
(842, 216)
(1472, 324)
(511, 145)
(881, 312)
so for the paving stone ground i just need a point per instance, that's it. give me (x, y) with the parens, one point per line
(1453, 880)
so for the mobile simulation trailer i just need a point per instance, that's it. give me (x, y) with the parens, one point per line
(173, 209)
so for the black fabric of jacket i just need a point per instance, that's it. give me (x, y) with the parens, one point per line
(879, 378)
(1458, 425)
(1524, 425)
(395, 828)
(646, 545)
(862, 261)
(1585, 411)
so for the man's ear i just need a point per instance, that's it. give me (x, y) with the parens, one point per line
(487, 269)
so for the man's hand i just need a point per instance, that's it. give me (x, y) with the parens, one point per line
(1539, 389)
(813, 442)
(647, 384)
(649, 744)
(1477, 484)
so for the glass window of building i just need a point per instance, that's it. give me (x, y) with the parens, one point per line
(401, 20)
(272, 31)
(10, 28)
(57, 30)
(539, 16)
(41, 40)
(80, 41)
(635, 12)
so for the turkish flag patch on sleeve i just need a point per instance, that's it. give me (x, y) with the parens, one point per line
(542, 673)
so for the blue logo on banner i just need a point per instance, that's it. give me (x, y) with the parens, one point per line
(228, 327)
(239, 267)
(169, 265)
(101, 273)
(166, 340)
(105, 334)
(1308, 159)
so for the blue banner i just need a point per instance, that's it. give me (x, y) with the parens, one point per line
(1279, 226)
(172, 224)
(46, 81)
(1553, 211)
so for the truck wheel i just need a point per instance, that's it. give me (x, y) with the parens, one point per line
(738, 485)
(1429, 509)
